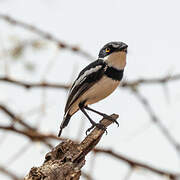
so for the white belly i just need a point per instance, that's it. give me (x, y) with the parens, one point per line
(97, 92)
(100, 90)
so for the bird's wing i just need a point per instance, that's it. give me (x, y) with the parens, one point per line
(87, 77)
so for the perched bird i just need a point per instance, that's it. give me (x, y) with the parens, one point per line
(95, 82)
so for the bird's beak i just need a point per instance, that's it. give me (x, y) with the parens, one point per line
(123, 47)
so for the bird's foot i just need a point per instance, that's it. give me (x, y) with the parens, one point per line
(110, 118)
(99, 126)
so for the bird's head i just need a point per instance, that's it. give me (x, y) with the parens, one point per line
(112, 47)
(114, 53)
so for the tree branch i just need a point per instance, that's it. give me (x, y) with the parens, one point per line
(33, 135)
(156, 120)
(160, 80)
(29, 85)
(125, 84)
(37, 136)
(14, 117)
(135, 164)
(45, 35)
(65, 161)
(8, 173)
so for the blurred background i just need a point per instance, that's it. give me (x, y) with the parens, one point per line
(43, 46)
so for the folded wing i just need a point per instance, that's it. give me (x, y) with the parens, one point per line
(87, 77)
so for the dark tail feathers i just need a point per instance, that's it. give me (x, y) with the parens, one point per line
(65, 122)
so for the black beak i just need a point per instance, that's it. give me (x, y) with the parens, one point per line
(123, 47)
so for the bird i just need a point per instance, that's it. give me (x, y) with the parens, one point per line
(95, 82)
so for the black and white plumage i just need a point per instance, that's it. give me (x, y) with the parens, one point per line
(96, 81)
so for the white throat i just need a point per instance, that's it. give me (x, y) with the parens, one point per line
(116, 60)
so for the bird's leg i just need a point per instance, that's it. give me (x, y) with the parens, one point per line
(102, 114)
(94, 124)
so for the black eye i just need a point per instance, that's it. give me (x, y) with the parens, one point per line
(107, 50)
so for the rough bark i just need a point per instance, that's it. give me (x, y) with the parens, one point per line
(65, 161)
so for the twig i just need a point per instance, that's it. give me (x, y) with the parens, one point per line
(33, 135)
(14, 117)
(9, 173)
(161, 80)
(45, 35)
(155, 119)
(18, 154)
(125, 84)
(29, 85)
(134, 163)
(87, 176)
(129, 173)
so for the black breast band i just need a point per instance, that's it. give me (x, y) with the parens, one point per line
(114, 73)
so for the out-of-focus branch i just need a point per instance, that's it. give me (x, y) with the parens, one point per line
(9, 173)
(14, 117)
(29, 85)
(134, 163)
(155, 119)
(37, 136)
(45, 35)
(28, 131)
(87, 176)
(125, 84)
(66, 160)
(33, 135)
(160, 80)
(129, 173)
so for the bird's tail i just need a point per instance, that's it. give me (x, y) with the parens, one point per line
(64, 123)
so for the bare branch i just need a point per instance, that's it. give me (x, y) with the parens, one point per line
(37, 136)
(8, 173)
(129, 173)
(66, 160)
(155, 119)
(45, 35)
(18, 154)
(161, 80)
(14, 117)
(29, 85)
(125, 84)
(87, 176)
(135, 164)
(33, 135)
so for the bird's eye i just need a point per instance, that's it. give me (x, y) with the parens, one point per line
(107, 50)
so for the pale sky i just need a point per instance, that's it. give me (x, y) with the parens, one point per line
(152, 31)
